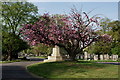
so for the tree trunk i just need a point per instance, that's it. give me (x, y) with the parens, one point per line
(5, 57)
(9, 56)
(15, 56)
(72, 56)
(98, 56)
(71, 52)
(38, 54)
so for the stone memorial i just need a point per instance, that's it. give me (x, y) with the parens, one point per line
(55, 56)
(85, 56)
(95, 57)
(101, 57)
(108, 57)
(105, 57)
(115, 57)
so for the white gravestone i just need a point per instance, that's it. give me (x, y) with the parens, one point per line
(101, 57)
(95, 57)
(115, 57)
(85, 55)
(106, 57)
(55, 56)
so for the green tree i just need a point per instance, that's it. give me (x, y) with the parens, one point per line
(115, 30)
(104, 25)
(115, 33)
(116, 49)
(42, 49)
(11, 45)
(99, 48)
(113, 47)
(15, 14)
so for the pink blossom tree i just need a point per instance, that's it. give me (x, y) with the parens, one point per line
(73, 33)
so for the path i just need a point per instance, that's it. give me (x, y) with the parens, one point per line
(17, 70)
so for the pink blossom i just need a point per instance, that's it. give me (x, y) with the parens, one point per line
(46, 30)
(33, 42)
(106, 37)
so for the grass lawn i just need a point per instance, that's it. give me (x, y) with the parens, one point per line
(81, 69)
(100, 60)
(1, 62)
(9, 61)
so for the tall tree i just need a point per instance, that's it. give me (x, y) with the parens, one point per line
(15, 14)
(73, 33)
(115, 30)
(101, 46)
(11, 45)
(104, 25)
(115, 33)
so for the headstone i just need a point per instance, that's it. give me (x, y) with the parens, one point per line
(101, 57)
(91, 56)
(78, 56)
(108, 57)
(114, 57)
(105, 57)
(85, 55)
(95, 57)
(55, 56)
(81, 56)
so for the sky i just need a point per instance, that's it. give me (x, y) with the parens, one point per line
(106, 9)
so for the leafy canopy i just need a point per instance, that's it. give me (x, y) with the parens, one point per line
(12, 44)
(15, 14)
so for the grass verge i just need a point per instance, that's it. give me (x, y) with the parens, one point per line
(102, 60)
(80, 69)
(42, 57)
(2, 62)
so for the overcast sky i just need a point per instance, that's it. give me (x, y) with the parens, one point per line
(108, 9)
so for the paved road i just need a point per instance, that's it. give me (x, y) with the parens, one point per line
(17, 70)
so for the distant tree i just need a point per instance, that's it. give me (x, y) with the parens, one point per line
(104, 25)
(115, 30)
(108, 47)
(11, 45)
(73, 33)
(116, 49)
(41, 49)
(115, 33)
(0, 42)
(101, 47)
(15, 14)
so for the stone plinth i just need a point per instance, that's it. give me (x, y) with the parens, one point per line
(55, 56)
